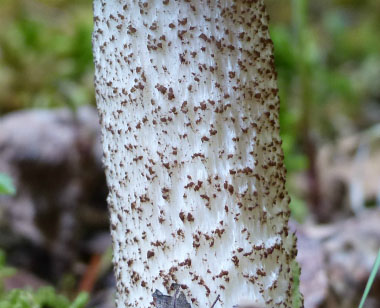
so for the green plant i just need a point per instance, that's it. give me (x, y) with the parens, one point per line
(45, 297)
(46, 58)
(371, 278)
(6, 185)
(5, 271)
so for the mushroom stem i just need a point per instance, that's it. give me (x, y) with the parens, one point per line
(188, 104)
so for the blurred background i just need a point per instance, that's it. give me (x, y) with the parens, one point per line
(54, 228)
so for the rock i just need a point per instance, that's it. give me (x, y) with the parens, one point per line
(337, 260)
(349, 174)
(313, 280)
(54, 157)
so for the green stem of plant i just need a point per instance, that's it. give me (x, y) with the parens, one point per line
(371, 278)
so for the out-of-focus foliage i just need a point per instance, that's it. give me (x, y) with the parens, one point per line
(6, 185)
(328, 60)
(331, 48)
(43, 297)
(5, 271)
(45, 53)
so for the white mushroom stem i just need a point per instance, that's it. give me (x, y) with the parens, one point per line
(188, 105)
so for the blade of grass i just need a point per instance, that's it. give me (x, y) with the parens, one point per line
(370, 279)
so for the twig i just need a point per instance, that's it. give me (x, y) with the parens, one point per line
(217, 298)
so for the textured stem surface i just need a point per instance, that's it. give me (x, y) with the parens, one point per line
(188, 104)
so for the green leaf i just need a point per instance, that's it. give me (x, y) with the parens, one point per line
(47, 297)
(370, 279)
(6, 185)
(80, 301)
